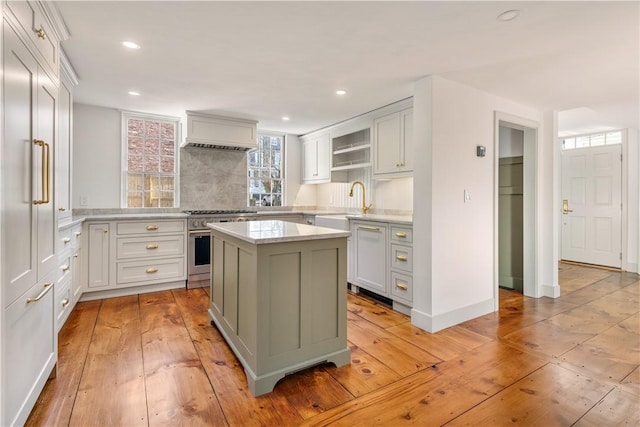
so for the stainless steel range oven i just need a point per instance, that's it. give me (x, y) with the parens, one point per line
(199, 246)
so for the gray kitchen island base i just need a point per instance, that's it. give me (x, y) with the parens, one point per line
(279, 302)
(259, 385)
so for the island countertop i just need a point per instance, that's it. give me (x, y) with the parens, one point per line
(275, 231)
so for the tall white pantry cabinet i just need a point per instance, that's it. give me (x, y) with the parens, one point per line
(28, 212)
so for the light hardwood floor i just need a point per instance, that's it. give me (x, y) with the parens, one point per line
(154, 359)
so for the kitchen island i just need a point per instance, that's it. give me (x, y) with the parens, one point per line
(279, 296)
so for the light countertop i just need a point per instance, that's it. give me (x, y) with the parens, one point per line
(121, 216)
(274, 231)
(399, 219)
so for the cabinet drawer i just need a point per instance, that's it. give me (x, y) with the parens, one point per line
(401, 234)
(34, 24)
(62, 302)
(402, 287)
(65, 267)
(66, 240)
(138, 247)
(76, 235)
(150, 227)
(402, 258)
(157, 271)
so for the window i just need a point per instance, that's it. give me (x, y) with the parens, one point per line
(149, 161)
(592, 140)
(264, 165)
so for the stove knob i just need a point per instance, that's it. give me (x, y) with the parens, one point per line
(194, 223)
(241, 219)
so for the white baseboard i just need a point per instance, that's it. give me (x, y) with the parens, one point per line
(632, 267)
(550, 291)
(451, 318)
(134, 290)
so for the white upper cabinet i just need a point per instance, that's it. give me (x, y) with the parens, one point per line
(393, 144)
(316, 162)
(64, 153)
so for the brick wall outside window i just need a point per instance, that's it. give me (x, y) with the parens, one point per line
(150, 162)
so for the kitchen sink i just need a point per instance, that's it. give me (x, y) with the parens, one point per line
(340, 222)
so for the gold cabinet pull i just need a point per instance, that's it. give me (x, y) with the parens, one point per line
(402, 286)
(152, 246)
(152, 227)
(105, 230)
(47, 288)
(78, 233)
(368, 227)
(401, 234)
(61, 209)
(65, 302)
(45, 172)
(66, 240)
(401, 258)
(65, 268)
(41, 34)
(152, 270)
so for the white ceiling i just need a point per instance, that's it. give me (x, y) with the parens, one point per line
(263, 60)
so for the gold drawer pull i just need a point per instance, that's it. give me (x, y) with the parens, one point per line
(41, 34)
(61, 209)
(401, 234)
(78, 233)
(152, 246)
(366, 227)
(106, 230)
(65, 268)
(401, 258)
(152, 227)
(66, 240)
(65, 302)
(47, 288)
(152, 270)
(402, 286)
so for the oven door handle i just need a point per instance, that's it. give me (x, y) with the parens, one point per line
(203, 232)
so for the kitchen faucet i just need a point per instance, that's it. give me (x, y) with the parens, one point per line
(365, 208)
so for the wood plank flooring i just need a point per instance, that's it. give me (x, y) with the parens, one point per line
(155, 360)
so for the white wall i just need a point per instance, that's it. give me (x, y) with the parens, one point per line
(633, 200)
(96, 156)
(453, 240)
(511, 142)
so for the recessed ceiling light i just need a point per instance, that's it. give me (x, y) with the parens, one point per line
(341, 92)
(508, 15)
(131, 45)
(133, 93)
(286, 118)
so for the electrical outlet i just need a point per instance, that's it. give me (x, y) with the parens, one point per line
(84, 200)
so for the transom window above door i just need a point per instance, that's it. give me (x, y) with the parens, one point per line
(592, 140)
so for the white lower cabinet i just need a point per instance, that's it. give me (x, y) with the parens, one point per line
(98, 255)
(382, 260)
(69, 284)
(369, 241)
(30, 334)
(131, 253)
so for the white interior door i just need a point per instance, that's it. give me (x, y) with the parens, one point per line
(592, 219)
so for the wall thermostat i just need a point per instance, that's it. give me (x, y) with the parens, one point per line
(481, 150)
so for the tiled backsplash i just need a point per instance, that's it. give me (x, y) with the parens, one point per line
(212, 179)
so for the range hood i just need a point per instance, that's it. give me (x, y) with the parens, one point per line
(219, 132)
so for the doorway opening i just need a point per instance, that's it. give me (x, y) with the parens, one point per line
(516, 148)
(510, 208)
